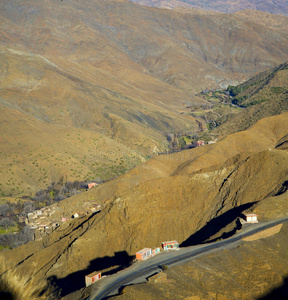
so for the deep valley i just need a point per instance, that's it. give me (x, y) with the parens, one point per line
(123, 126)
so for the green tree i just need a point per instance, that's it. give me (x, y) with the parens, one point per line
(182, 143)
(6, 222)
(52, 195)
(210, 126)
(233, 90)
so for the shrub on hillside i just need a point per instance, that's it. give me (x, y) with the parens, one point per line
(5, 209)
(58, 191)
(6, 222)
(17, 286)
(12, 240)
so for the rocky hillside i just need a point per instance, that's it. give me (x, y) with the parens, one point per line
(88, 93)
(176, 196)
(255, 270)
(265, 94)
(54, 124)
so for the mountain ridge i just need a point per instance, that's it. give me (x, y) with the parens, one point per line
(261, 96)
(226, 6)
(81, 66)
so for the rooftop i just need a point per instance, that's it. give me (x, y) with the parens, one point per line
(144, 250)
(170, 242)
(93, 274)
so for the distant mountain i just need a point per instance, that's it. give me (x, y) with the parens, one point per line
(279, 7)
(89, 89)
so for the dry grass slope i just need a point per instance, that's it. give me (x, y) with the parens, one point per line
(175, 196)
(88, 93)
(263, 95)
(255, 270)
(15, 286)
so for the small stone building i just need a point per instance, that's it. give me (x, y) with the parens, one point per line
(200, 143)
(170, 245)
(91, 278)
(155, 251)
(144, 254)
(251, 218)
(31, 216)
(95, 207)
(91, 185)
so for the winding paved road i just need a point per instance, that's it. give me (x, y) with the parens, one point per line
(139, 271)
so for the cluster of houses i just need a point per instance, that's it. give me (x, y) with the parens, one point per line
(92, 207)
(146, 253)
(200, 143)
(149, 252)
(43, 221)
(140, 255)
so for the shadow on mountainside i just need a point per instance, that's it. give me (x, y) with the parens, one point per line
(76, 280)
(216, 224)
(279, 293)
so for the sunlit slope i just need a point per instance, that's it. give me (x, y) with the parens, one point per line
(89, 65)
(106, 132)
(186, 49)
(263, 95)
(170, 197)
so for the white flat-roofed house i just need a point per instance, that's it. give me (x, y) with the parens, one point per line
(251, 218)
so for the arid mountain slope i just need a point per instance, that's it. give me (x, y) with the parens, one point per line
(74, 126)
(169, 197)
(115, 86)
(263, 95)
(255, 270)
(180, 48)
(279, 7)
